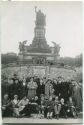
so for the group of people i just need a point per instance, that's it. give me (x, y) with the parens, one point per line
(44, 96)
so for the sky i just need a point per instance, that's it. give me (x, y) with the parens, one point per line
(63, 25)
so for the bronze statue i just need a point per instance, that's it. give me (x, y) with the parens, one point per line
(40, 18)
(56, 48)
(22, 45)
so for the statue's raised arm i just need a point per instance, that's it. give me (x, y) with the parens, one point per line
(20, 46)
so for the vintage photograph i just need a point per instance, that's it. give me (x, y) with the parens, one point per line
(41, 62)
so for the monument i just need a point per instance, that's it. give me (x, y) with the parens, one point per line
(38, 51)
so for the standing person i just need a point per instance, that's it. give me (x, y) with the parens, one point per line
(67, 94)
(76, 95)
(59, 86)
(37, 79)
(32, 87)
(81, 89)
(65, 90)
(15, 88)
(56, 87)
(70, 88)
(44, 80)
(28, 79)
(48, 88)
(24, 88)
(81, 94)
(5, 84)
(41, 88)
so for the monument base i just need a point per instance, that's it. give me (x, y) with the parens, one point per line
(37, 58)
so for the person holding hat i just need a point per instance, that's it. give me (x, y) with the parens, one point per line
(15, 102)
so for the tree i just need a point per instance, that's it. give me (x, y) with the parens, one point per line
(9, 58)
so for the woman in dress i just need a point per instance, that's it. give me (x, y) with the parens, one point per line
(76, 95)
(48, 88)
(32, 86)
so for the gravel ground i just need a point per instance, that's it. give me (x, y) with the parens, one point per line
(35, 119)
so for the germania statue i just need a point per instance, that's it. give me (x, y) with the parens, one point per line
(40, 18)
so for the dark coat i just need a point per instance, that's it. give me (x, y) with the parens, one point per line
(15, 89)
(40, 90)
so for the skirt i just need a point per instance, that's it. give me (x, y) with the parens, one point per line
(31, 93)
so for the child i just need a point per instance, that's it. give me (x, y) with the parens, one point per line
(42, 106)
(50, 108)
(57, 107)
